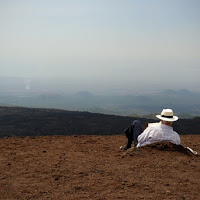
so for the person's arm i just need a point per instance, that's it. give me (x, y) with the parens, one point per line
(144, 136)
(178, 139)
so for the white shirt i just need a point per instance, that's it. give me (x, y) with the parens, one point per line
(156, 132)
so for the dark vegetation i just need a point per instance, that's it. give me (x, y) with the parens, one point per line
(18, 121)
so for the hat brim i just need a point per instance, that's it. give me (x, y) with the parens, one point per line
(173, 119)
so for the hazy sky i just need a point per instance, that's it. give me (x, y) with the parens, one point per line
(125, 42)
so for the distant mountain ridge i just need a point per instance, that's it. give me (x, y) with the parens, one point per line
(184, 102)
(17, 121)
(177, 92)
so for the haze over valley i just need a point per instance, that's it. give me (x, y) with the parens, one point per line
(114, 57)
(68, 95)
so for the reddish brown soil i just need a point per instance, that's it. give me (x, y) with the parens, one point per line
(92, 167)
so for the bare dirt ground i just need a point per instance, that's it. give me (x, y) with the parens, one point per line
(93, 167)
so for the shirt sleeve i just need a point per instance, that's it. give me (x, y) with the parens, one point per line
(144, 136)
(178, 140)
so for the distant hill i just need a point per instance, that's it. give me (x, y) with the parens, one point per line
(153, 116)
(177, 92)
(185, 103)
(17, 121)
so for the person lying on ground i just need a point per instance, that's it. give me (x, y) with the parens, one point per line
(155, 132)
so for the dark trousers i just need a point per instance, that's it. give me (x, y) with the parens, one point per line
(132, 133)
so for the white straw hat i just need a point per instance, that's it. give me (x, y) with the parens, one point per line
(167, 115)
